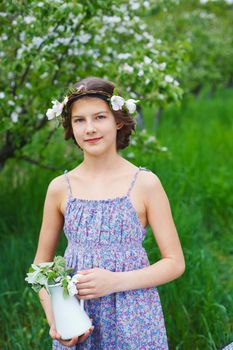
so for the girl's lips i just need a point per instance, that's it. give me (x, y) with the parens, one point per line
(94, 140)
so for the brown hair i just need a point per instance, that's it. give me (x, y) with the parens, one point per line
(106, 87)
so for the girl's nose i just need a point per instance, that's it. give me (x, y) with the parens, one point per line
(90, 127)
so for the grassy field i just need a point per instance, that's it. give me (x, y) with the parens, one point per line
(198, 307)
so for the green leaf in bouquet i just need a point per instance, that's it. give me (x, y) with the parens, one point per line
(65, 289)
(36, 287)
(43, 274)
(69, 271)
(46, 264)
(51, 276)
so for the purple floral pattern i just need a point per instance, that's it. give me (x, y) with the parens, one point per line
(108, 234)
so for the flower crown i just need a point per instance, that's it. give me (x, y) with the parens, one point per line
(116, 102)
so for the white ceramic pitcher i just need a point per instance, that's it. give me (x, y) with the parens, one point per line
(70, 317)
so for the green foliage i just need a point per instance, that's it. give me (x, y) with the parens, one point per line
(55, 43)
(207, 30)
(197, 179)
(49, 273)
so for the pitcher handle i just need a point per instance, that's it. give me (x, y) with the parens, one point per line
(81, 301)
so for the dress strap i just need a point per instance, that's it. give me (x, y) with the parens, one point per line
(68, 183)
(134, 179)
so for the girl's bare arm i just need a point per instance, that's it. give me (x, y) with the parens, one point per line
(172, 262)
(52, 223)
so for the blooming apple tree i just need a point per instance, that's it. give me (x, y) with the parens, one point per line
(46, 46)
(208, 28)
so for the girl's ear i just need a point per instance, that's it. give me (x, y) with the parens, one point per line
(120, 125)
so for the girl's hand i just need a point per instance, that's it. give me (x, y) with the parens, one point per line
(71, 342)
(95, 283)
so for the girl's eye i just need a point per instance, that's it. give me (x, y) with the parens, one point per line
(78, 120)
(101, 116)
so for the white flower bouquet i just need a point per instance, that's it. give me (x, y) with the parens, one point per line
(50, 273)
(70, 316)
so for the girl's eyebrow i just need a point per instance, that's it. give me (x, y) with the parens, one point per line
(81, 116)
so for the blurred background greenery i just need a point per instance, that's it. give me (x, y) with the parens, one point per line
(184, 136)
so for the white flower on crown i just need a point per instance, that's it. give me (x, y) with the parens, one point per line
(131, 105)
(57, 108)
(117, 102)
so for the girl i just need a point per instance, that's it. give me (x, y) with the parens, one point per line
(104, 206)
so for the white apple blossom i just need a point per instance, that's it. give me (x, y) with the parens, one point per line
(124, 56)
(146, 4)
(4, 37)
(32, 276)
(150, 139)
(131, 105)
(147, 60)
(130, 155)
(142, 26)
(111, 19)
(36, 41)
(72, 289)
(50, 114)
(140, 73)
(117, 102)
(162, 65)
(65, 100)
(57, 108)
(123, 8)
(127, 68)
(168, 78)
(29, 19)
(18, 109)
(160, 96)
(2, 94)
(133, 142)
(135, 5)
(83, 38)
(75, 278)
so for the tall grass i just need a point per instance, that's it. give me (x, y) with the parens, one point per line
(198, 306)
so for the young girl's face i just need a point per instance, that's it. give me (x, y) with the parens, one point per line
(94, 126)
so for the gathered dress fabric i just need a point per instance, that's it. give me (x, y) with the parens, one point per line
(108, 234)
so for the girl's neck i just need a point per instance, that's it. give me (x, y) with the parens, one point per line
(101, 165)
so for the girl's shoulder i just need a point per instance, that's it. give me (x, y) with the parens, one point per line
(57, 185)
(148, 174)
(149, 181)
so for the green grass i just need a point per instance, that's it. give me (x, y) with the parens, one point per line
(198, 307)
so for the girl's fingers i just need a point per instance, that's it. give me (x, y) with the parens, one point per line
(76, 340)
(86, 335)
(70, 342)
(54, 334)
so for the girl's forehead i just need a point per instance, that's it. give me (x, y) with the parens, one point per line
(89, 105)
